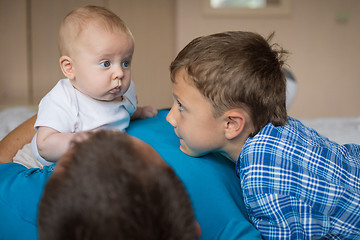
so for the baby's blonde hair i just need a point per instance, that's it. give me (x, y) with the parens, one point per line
(77, 20)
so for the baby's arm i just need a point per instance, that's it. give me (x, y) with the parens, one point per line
(52, 144)
(144, 112)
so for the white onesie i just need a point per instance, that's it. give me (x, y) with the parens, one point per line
(66, 109)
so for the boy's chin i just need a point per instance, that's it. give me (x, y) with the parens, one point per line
(190, 152)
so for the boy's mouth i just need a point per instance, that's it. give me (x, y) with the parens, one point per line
(176, 133)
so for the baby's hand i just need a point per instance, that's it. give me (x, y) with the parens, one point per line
(144, 112)
(148, 112)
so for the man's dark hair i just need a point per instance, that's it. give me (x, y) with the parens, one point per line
(108, 188)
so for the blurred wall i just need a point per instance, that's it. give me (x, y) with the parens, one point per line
(29, 54)
(323, 37)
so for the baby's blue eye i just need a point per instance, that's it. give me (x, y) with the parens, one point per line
(105, 64)
(126, 64)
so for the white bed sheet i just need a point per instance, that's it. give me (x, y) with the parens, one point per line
(340, 130)
(11, 117)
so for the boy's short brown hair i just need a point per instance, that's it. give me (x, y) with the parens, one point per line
(237, 70)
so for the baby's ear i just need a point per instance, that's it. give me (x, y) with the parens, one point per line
(234, 123)
(66, 66)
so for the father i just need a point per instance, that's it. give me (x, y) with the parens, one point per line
(98, 191)
(209, 180)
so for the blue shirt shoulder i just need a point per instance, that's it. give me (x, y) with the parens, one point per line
(20, 191)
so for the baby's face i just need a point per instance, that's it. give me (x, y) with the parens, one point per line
(102, 63)
(192, 118)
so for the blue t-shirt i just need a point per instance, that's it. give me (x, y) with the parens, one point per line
(211, 182)
(20, 193)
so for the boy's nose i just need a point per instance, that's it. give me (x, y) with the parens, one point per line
(170, 118)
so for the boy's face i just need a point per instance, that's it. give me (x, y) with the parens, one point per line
(192, 118)
(101, 63)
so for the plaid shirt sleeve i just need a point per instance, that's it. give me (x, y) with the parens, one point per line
(299, 185)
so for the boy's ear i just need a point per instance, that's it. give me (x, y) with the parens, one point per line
(234, 123)
(66, 66)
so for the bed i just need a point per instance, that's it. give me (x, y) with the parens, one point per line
(210, 180)
(341, 130)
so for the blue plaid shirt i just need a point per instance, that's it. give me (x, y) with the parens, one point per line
(298, 184)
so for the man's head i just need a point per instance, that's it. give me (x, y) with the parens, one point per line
(113, 186)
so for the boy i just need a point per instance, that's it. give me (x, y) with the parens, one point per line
(229, 92)
(96, 49)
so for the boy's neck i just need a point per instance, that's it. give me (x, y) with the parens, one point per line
(236, 147)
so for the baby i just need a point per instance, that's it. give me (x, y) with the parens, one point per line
(96, 49)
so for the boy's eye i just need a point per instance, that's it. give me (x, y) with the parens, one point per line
(181, 107)
(126, 64)
(105, 64)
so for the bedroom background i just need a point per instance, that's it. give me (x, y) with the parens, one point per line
(323, 37)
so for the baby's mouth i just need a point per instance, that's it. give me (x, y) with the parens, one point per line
(115, 90)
